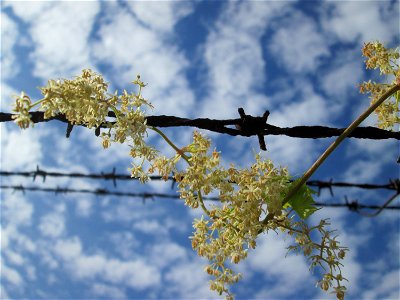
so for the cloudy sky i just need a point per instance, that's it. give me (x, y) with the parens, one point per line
(299, 59)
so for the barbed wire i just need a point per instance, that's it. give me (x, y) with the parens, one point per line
(319, 184)
(246, 125)
(351, 205)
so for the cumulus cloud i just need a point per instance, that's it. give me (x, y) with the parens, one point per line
(310, 108)
(188, 280)
(167, 254)
(52, 225)
(137, 274)
(289, 272)
(299, 44)
(28, 9)
(161, 16)
(16, 210)
(7, 93)
(9, 38)
(131, 48)
(386, 287)
(364, 21)
(107, 291)
(341, 80)
(11, 275)
(233, 56)
(60, 45)
(20, 149)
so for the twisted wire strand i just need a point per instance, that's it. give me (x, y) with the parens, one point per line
(352, 206)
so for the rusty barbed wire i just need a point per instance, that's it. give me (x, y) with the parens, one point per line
(114, 177)
(246, 125)
(352, 206)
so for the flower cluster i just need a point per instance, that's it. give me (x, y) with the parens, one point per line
(22, 106)
(327, 254)
(228, 230)
(386, 60)
(84, 100)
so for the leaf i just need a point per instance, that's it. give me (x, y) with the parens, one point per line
(302, 201)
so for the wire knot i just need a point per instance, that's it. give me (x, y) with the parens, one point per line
(250, 125)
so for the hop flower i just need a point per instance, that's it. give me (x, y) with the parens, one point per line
(21, 107)
(379, 57)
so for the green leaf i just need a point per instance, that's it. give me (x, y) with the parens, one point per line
(302, 201)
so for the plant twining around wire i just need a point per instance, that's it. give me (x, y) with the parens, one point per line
(253, 200)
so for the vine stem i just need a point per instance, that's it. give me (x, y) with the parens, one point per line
(336, 143)
(179, 151)
(186, 158)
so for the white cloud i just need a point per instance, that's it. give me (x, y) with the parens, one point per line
(125, 244)
(295, 154)
(234, 59)
(52, 225)
(342, 78)
(158, 228)
(132, 48)
(7, 93)
(149, 227)
(138, 274)
(59, 32)
(30, 10)
(11, 275)
(167, 254)
(269, 258)
(309, 109)
(84, 206)
(188, 280)
(386, 286)
(107, 291)
(16, 210)
(298, 44)
(14, 257)
(364, 21)
(365, 167)
(68, 249)
(161, 16)
(21, 149)
(9, 38)
(3, 292)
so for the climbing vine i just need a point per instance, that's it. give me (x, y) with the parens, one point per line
(253, 200)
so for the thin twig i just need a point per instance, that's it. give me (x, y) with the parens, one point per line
(380, 209)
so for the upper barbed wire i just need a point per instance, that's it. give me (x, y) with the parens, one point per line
(221, 126)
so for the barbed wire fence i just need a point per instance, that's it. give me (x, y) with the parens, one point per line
(246, 125)
(114, 177)
(353, 205)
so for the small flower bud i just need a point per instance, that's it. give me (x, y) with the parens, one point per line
(341, 254)
(324, 285)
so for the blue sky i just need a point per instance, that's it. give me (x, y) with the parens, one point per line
(299, 59)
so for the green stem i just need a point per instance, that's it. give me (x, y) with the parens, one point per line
(179, 151)
(36, 103)
(336, 143)
(186, 158)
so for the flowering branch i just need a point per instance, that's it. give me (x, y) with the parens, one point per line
(336, 143)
